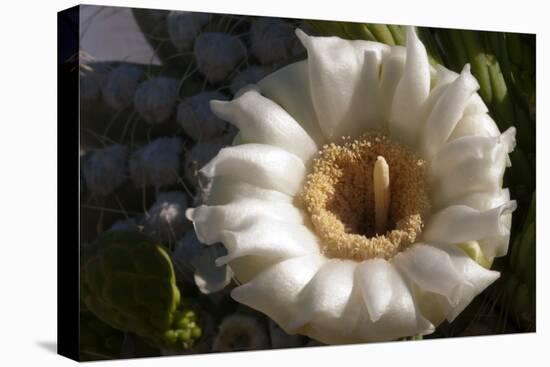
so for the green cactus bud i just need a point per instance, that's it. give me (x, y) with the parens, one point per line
(186, 331)
(128, 281)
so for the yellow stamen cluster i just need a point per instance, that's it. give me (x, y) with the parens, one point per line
(339, 196)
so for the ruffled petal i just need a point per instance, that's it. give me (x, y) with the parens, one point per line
(447, 111)
(325, 299)
(476, 279)
(262, 121)
(445, 279)
(369, 116)
(336, 81)
(275, 291)
(493, 246)
(411, 92)
(262, 165)
(211, 221)
(375, 278)
(469, 164)
(469, 148)
(224, 190)
(443, 78)
(475, 106)
(483, 200)
(246, 268)
(431, 269)
(460, 223)
(391, 311)
(393, 66)
(268, 238)
(480, 124)
(289, 87)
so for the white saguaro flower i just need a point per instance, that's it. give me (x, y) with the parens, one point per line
(363, 181)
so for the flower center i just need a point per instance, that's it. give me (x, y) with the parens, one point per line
(366, 198)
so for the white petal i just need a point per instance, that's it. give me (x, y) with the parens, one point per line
(484, 200)
(497, 246)
(262, 165)
(475, 125)
(411, 92)
(477, 176)
(262, 121)
(391, 311)
(265, 237)
(336, 68)
(393, 66)
(481, 201)
(224, 190)
(476, 278)
(211, 221)
(442, 80)
(375, 278)
(469, 164)
(275, 291)
(460, 223)
(368, 116)
(246, 268)
(468, 148)
(447, 111)
(325, 299)
(431, 269)
(475, 106)
(443, 77)
(473, 279)
(289, 87)
(493, 246)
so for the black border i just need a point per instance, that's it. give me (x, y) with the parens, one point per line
(68, 176)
